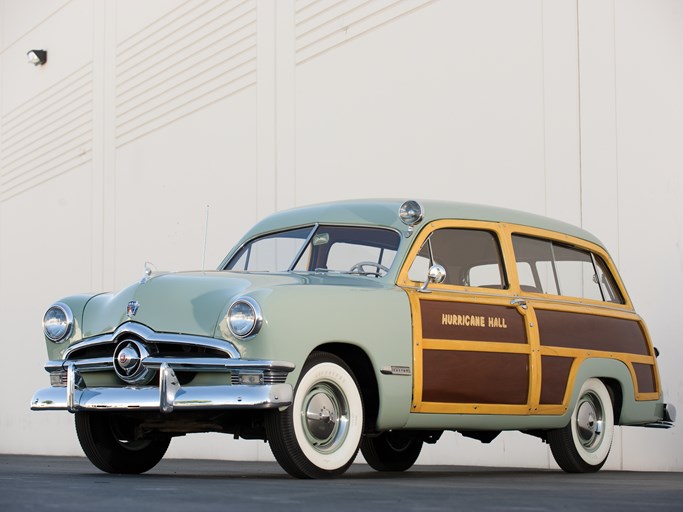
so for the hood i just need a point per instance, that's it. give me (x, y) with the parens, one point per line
(183, 302)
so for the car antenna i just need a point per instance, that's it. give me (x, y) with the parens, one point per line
(206, 235)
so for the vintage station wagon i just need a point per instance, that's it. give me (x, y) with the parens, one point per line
(371, 325)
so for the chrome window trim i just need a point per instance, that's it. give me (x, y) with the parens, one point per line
(303, 247)
(151, 336)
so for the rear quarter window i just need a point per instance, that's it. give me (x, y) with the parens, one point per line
(549, 267)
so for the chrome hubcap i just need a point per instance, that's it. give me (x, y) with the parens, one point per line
(325, 420)
(589, 421)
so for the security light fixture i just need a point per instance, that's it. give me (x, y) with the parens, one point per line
(37, 57)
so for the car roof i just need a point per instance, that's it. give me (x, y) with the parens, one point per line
(384, 212)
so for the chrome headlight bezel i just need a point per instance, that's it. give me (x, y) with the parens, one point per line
(244, 318)
(65, 322)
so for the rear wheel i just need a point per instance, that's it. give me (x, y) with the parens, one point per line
(392, 450)
(110, 443)
(319, 434)
(584, 444)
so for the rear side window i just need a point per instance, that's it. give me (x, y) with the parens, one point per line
(546, 266)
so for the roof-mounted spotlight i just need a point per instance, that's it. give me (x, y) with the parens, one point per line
(37, 57)
(411, 214)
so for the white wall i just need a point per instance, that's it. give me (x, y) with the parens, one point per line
(147, 112)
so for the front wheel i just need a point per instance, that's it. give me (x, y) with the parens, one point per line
(111, 444)
(392, 450)
(319, 434)
(584, 444)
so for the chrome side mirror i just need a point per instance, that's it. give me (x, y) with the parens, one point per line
(436, 274)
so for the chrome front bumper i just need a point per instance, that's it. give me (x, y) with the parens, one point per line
(168, 395)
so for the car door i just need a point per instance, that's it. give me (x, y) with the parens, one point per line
(473, 342)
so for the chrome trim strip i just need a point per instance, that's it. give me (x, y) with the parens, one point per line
(215, 364)
(96, 364)
(148, 398)
(302, 249)
(538, 298)
(151, 336)
(197, 364)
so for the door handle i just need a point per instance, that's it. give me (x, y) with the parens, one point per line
(519, 302)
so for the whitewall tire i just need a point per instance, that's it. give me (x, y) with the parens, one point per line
(319, 434)
(584, 444)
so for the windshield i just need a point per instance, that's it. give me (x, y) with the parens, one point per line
(342, 249)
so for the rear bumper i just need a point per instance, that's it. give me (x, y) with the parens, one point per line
(166, 397)
(668, 418)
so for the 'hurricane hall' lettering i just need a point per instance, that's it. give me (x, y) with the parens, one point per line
(473, 321)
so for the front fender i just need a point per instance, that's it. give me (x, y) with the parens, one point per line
(376, 319)
(77, 304)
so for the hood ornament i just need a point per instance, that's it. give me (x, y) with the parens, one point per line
(147, 272)
(132, 308)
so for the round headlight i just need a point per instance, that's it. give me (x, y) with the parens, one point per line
(57, 322)
(244, 317)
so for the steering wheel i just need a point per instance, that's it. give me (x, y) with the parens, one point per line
(358, 267)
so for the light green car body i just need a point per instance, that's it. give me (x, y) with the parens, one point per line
(364, 319)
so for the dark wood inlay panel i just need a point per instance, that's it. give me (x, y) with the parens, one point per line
(590, 332)
(475, 377)
(645, 375)
(555, 374)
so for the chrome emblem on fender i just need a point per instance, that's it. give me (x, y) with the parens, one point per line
(132, 308)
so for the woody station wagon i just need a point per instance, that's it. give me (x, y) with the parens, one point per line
(371, 325)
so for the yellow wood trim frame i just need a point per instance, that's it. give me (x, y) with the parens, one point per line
(493, 227)
(531, 348)
(452, 293)
(515, 229)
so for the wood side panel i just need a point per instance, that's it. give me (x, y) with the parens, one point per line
(475, 377)
(555, 375)
(590, 332)
(471, 322)
(646, 377)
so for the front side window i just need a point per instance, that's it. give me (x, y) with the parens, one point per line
(546, 266)
(339, 249)
(471, 257)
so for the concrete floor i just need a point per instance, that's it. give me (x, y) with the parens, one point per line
(72, 483)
